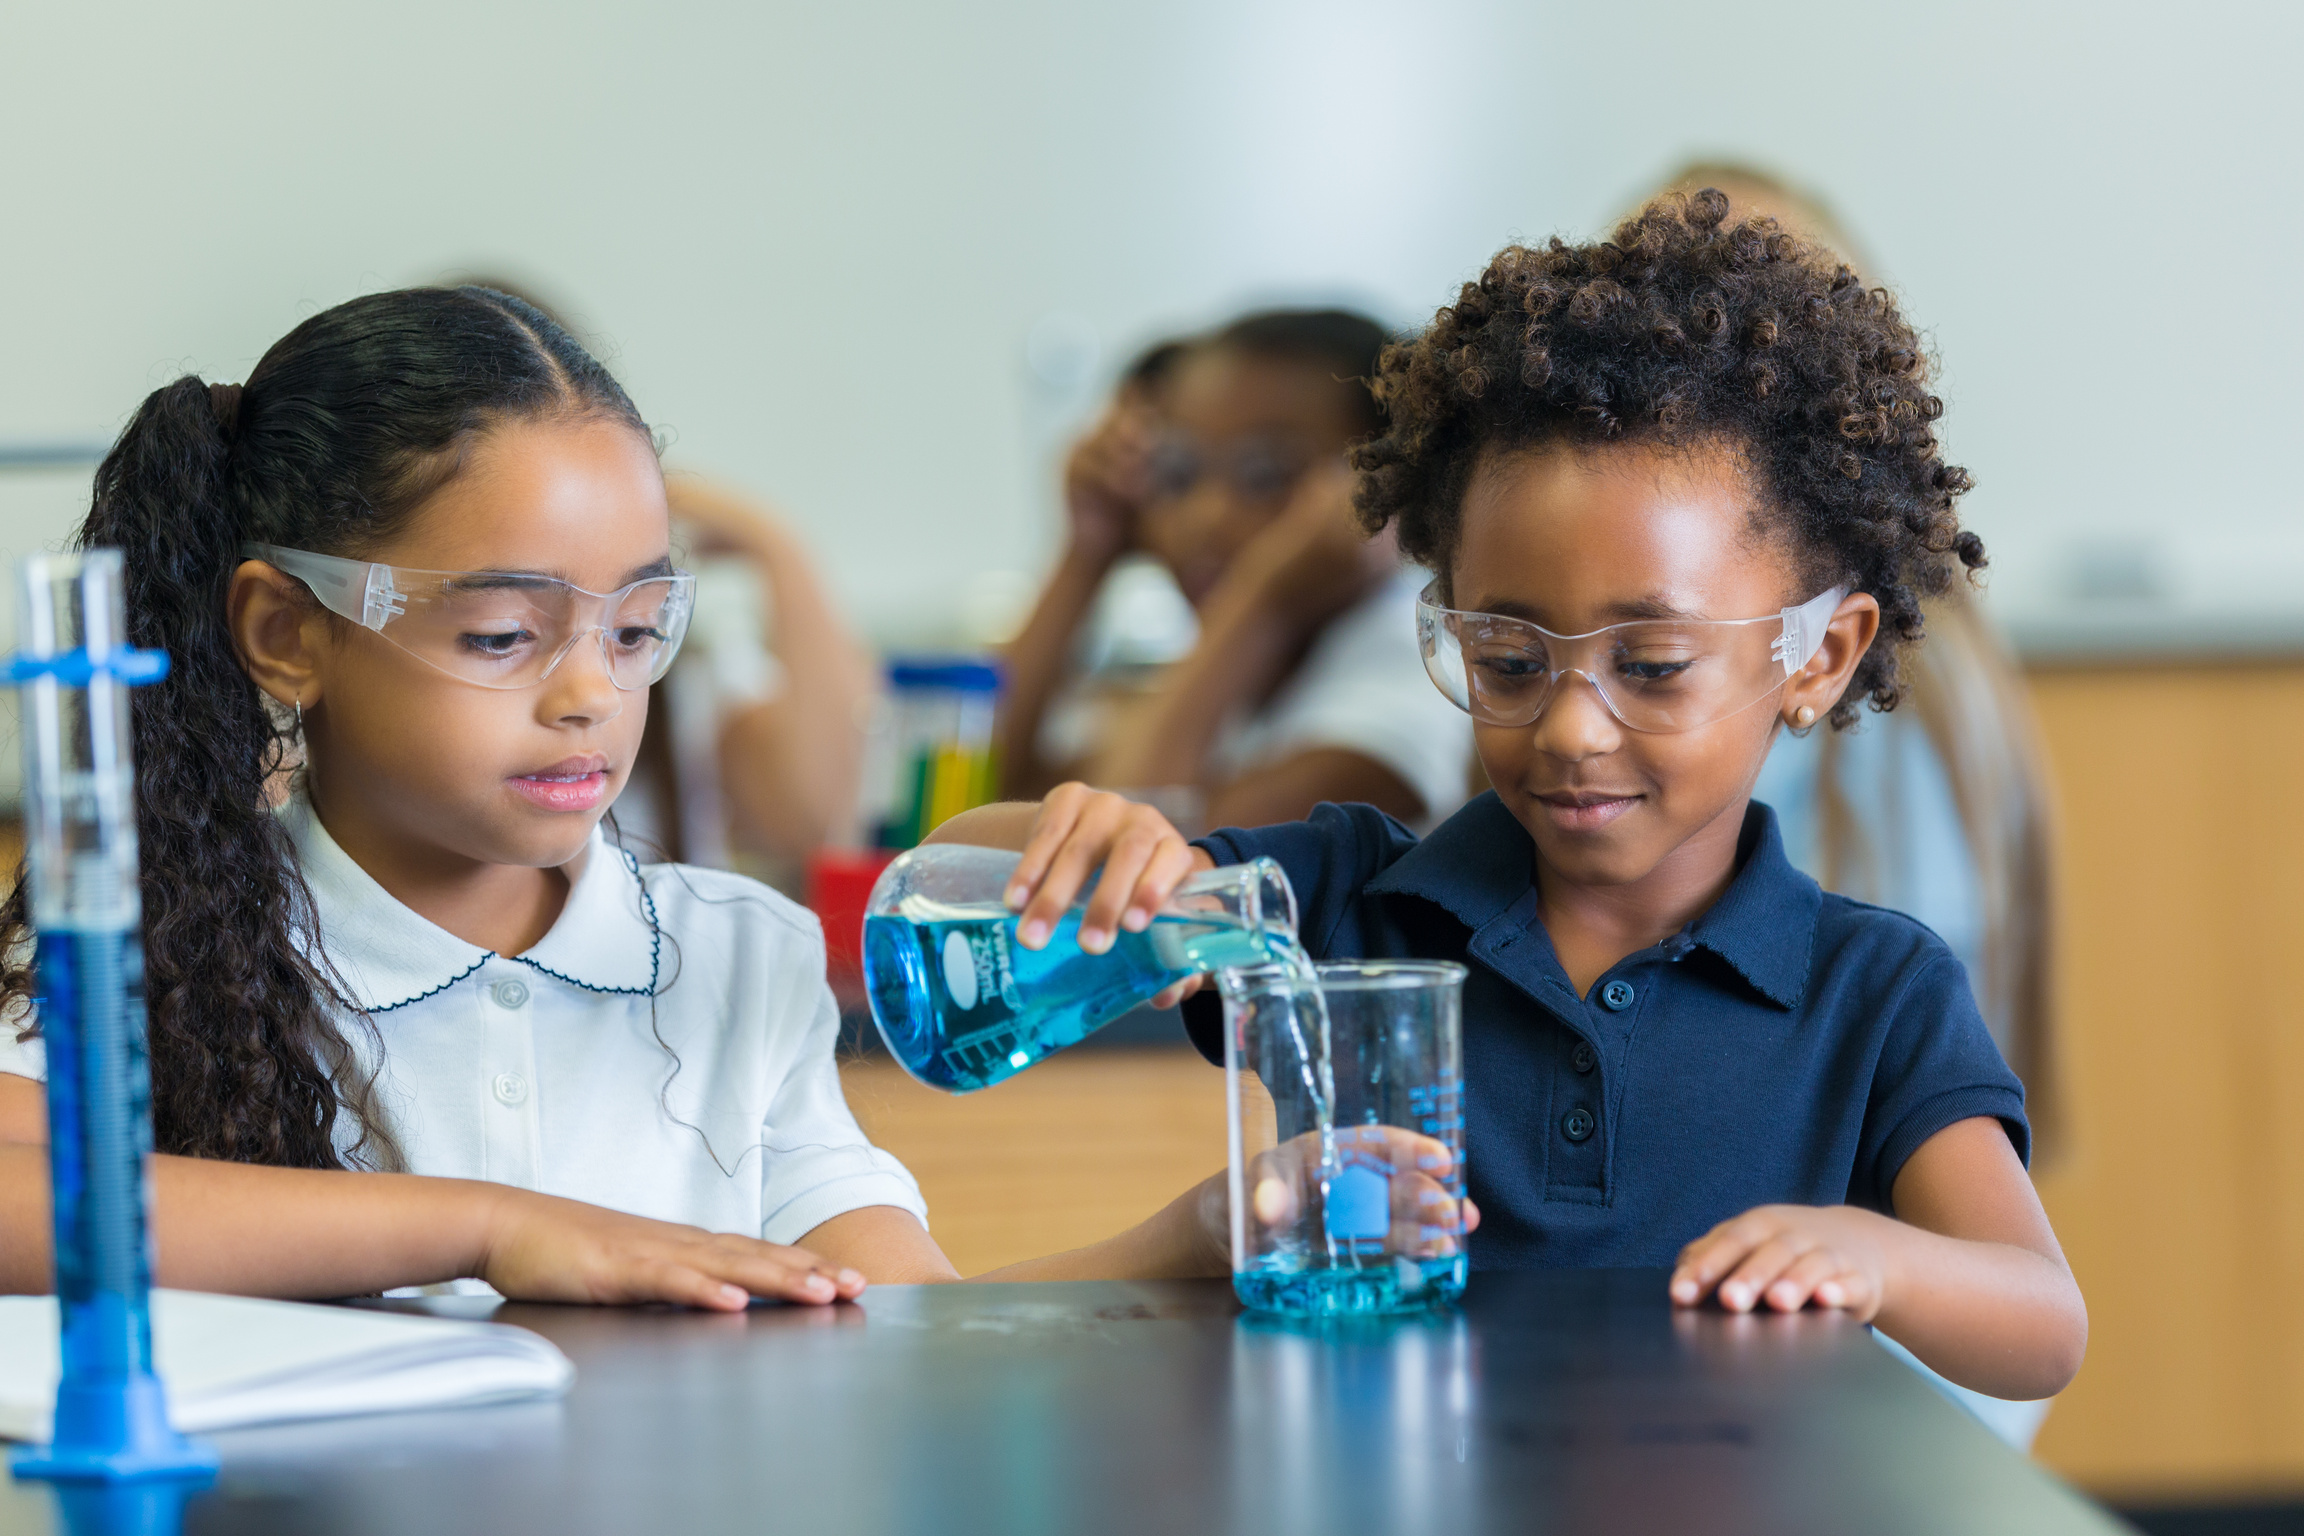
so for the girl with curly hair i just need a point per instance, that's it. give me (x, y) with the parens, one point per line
(1679, 491)
(425, 1022)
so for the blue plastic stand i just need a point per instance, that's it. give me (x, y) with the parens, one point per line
(111, 1422)
(75, 669)
(152, 1508)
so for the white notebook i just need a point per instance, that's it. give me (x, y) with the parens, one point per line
(228, 1361)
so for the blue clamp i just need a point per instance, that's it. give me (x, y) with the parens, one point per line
(76, 669)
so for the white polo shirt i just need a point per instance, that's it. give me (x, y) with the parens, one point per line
(667, 1049)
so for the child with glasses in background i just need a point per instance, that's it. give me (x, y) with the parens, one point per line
(1222, 460)
(1677, 492)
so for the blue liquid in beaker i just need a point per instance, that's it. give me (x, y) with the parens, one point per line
(963, 1005)
(1283, 1283)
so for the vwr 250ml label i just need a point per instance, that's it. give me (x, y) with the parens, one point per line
(979, 970)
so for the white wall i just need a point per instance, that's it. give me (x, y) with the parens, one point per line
(816, 238)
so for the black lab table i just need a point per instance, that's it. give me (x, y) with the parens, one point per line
(1569, 1402)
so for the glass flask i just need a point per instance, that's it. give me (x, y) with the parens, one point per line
(962, 1004)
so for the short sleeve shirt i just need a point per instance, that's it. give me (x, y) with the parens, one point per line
(1786, 1046)
(665, 1050)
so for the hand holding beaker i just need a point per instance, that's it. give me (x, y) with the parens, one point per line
(1392, 1191)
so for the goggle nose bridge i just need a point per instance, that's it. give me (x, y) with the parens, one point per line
(607, 660)
(1552, 681)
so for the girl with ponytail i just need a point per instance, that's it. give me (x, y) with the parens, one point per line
(414, 1017)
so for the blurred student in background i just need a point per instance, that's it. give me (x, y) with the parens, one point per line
(1222, 458)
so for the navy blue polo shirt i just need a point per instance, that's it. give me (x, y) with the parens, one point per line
(1787, 1046)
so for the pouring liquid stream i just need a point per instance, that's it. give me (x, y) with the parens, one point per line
(964, 1005)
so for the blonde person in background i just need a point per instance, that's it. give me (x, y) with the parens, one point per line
(1941, 809)
(1222, 459)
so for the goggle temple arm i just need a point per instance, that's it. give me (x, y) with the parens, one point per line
(1804, 629)
(359, 590)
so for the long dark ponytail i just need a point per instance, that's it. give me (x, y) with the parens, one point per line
(344, 427)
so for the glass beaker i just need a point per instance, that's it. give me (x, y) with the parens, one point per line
(963, 1005)
(1345, 1108)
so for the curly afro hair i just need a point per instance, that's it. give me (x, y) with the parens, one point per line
(1685, 330)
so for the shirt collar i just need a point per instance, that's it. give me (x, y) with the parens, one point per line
(1764, 924)
(1478, 864)
(606, 938)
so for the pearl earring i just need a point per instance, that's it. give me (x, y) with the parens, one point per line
(1803, 717)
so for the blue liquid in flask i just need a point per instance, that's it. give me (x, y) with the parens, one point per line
(963, 1005)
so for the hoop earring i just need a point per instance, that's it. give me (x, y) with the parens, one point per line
(299, 719)
(1803, 717)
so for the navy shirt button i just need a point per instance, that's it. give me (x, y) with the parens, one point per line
(1576, 1125)
(1582, 1058)
(1617, 996)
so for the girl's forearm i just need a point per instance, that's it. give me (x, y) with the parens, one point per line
(1994, 1317)
(268, 1231)
(299, 1232)
(25, 1265)
(1180, 1242)
(1006, 824)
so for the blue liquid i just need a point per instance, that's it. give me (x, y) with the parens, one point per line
(963, 1005)
(1278, 1283)
(111, 1419)
(100, 1131)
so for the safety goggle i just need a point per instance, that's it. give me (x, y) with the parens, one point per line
(1254, 469)
(499, 629)
(1655, 675)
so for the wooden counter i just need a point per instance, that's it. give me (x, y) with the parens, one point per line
(2179, 1193)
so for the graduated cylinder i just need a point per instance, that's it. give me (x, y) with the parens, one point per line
(74, 669)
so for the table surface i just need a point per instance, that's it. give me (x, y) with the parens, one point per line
(1565, 1401)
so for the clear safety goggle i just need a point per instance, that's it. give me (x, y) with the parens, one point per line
(499, 629)
(1655, 675)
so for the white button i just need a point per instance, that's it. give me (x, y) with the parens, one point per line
(509, 994)
(511, 1087)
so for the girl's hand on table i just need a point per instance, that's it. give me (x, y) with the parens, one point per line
(1143, 857)
(1788, 1256)
(544, 1249)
